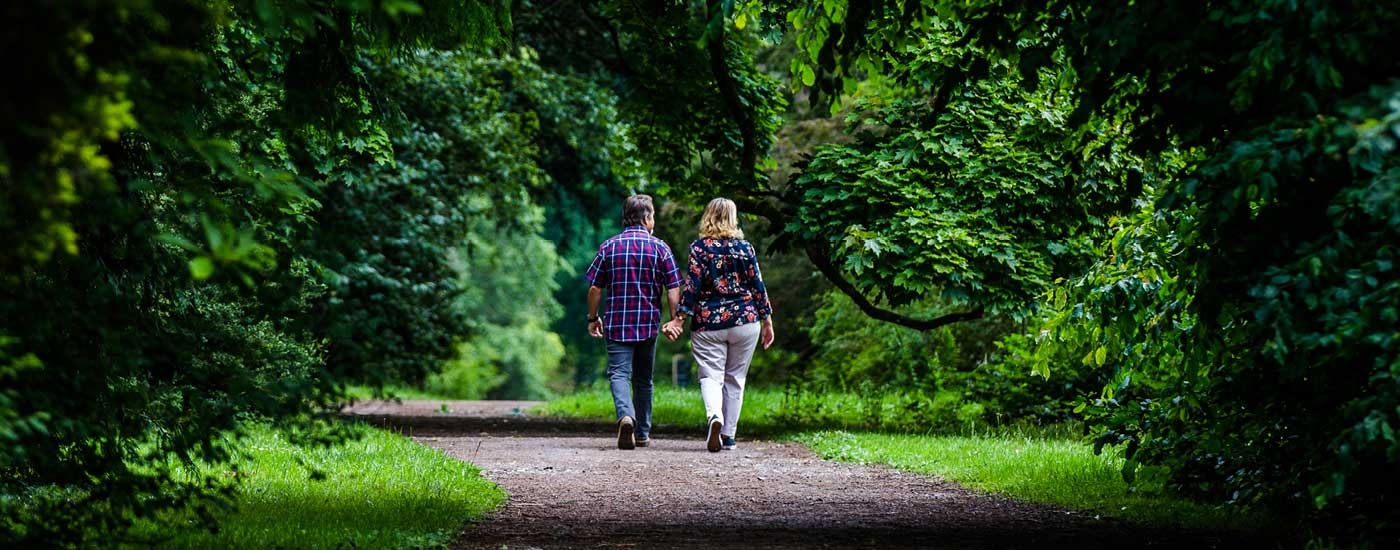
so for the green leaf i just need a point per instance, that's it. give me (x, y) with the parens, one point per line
(201, 268)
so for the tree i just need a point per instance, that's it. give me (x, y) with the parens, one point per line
(1245, 313)
(159, 172)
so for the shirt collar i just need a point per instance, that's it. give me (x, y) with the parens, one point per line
(641, 228)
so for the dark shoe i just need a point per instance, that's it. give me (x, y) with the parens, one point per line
(712, 436)
(626, 439)
(726, 443)
(643, 442)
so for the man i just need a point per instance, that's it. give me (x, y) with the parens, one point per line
(633, 267)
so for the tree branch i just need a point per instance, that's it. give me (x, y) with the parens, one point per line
(754, 200)
(729, 92)
(754, 204)
(833, 274)
(623, 68)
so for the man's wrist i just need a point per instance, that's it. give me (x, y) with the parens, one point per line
(594, 318)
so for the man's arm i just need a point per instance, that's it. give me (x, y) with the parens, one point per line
(595, 323)
(673, 295)
(673, 328)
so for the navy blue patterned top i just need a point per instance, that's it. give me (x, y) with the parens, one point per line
(723, 285)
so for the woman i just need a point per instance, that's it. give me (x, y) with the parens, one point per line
(728, 307)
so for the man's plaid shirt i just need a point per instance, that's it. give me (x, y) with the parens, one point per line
(635, 269)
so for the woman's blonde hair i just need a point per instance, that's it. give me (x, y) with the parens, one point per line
(721, 220)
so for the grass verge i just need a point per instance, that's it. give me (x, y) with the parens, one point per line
(380, 491)
(1053, 471)
(1046, 465)
(775, 412)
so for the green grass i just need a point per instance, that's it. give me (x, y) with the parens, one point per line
(1054, 471)
(381, 491)
(1046, 465)
(670, 405)
(767, 412)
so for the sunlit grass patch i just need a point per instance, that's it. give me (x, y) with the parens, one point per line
(771, 412)
(1054, 471)
(380, 491)
(670, 405)
(674, 406)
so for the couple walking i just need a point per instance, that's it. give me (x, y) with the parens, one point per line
(722, 297)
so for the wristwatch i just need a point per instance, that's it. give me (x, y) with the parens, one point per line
(594, 318)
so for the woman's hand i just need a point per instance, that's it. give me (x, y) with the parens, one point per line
(765, 334)
(673, 329)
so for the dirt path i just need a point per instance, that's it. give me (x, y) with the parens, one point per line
(570, 487)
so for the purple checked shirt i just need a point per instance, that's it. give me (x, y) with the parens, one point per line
(635, 269)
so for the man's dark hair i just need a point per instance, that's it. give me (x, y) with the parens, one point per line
(636, 209)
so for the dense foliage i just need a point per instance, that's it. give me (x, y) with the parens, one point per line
(275, 201)
(968, 196)
(408, 245)
(124, 359)
(1246, 313)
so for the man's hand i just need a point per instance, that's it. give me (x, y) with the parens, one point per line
(765, 334)
(595, 297)
(673, 329)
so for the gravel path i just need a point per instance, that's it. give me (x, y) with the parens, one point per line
(570, 487)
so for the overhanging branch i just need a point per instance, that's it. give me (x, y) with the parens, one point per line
(729, 92)
(833, 274)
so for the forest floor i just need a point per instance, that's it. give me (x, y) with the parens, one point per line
(570, 487)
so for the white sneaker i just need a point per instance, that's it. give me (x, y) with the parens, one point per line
(712, 441)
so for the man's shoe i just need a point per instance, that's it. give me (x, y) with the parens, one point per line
(625, 437)
(726, 443)
(712, 441)
(643, 442)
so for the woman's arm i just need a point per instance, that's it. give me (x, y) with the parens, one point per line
(760, 292)
(690, 295)
(694, 273)
(760, 297)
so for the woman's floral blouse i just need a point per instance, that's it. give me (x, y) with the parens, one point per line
(723, 286)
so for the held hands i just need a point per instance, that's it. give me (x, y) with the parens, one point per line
(673, 329)
(595, 328)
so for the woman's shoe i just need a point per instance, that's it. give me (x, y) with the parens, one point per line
(726, 443)
(712, 441)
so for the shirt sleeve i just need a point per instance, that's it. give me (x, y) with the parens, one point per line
(597, 274)
(690, 294)
(668, 264)
(760, 292)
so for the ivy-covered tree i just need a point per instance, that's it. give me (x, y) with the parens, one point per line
(159, 172)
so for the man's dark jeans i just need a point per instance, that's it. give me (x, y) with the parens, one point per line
(629, 368)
